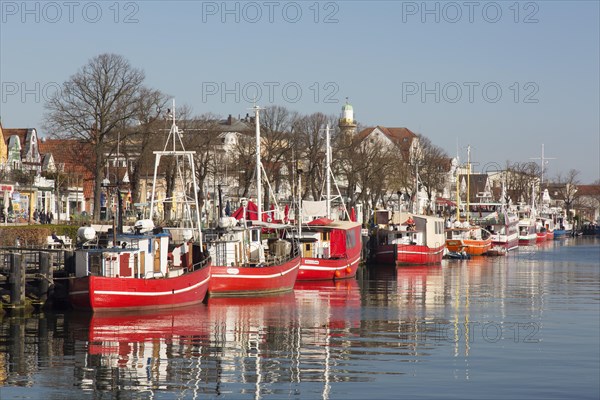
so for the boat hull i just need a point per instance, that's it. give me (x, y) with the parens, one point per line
(345, 267)
(471, 247)
(561, 233)
(549, 235)
(98, 293)
(418, 254)
(540, 237)
(315, 269)
(408, 254)
(502, 247)
(253, 281)
(527, 240)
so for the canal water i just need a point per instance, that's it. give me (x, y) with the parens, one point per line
(525, 326)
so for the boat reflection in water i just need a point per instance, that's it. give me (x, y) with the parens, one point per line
(423, 286)
(329, 313)
(198, 350)
(137, 352)
(247, 346)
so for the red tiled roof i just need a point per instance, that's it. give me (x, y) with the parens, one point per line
(20, 132)
(588, 190)
(402, 137)
(77, 157)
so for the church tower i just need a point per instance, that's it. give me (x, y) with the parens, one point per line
(347, 123)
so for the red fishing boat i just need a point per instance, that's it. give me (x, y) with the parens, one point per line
(407, 239)
(244, 266)
(142, 269)
(244, 263)
(330, 250)
(136, 272)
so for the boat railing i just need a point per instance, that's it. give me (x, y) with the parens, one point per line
(201, 264)
(271, 260)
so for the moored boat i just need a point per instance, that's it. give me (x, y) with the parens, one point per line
(137, 272)
(540, 234)
(141, 269)
(471, 239)
(503, 227)
(407, 239)
(527, 233)
(246, 264)
(549, 225)
(330, 248)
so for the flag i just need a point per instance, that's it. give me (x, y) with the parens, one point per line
(286, 214)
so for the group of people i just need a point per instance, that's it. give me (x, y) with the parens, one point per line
(43, 217)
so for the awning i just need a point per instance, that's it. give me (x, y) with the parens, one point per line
(444, 202)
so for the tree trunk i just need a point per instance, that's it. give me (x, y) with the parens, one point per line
(98, 182)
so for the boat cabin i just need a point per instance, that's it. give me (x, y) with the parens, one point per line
(329, 239)
(410, 229)
(526, 227)
(237, 247)
(131, 256)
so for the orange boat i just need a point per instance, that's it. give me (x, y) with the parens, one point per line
(472, 239)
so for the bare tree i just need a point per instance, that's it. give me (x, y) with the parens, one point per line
(519, 179)
(434, 165)
(276, 143)
(202, 135)
(142, 139)
(567, 188)
(101, 98)
(310, 148)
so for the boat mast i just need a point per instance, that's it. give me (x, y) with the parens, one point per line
(327, 172)
(468, 180)
(299, 203)
(175, 136)
(258, 164)
(457, 194)
(533, 211)
(543, 162)
(416, 203)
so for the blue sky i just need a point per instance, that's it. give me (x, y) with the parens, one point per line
(504, 77)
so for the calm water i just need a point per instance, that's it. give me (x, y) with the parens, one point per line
(524, 326)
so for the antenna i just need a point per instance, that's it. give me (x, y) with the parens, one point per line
(543, 162)
(258, 162)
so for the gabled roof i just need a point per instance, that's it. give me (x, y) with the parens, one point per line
(588, 190)
(21, 133)
(75, 156)
(401, 137)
